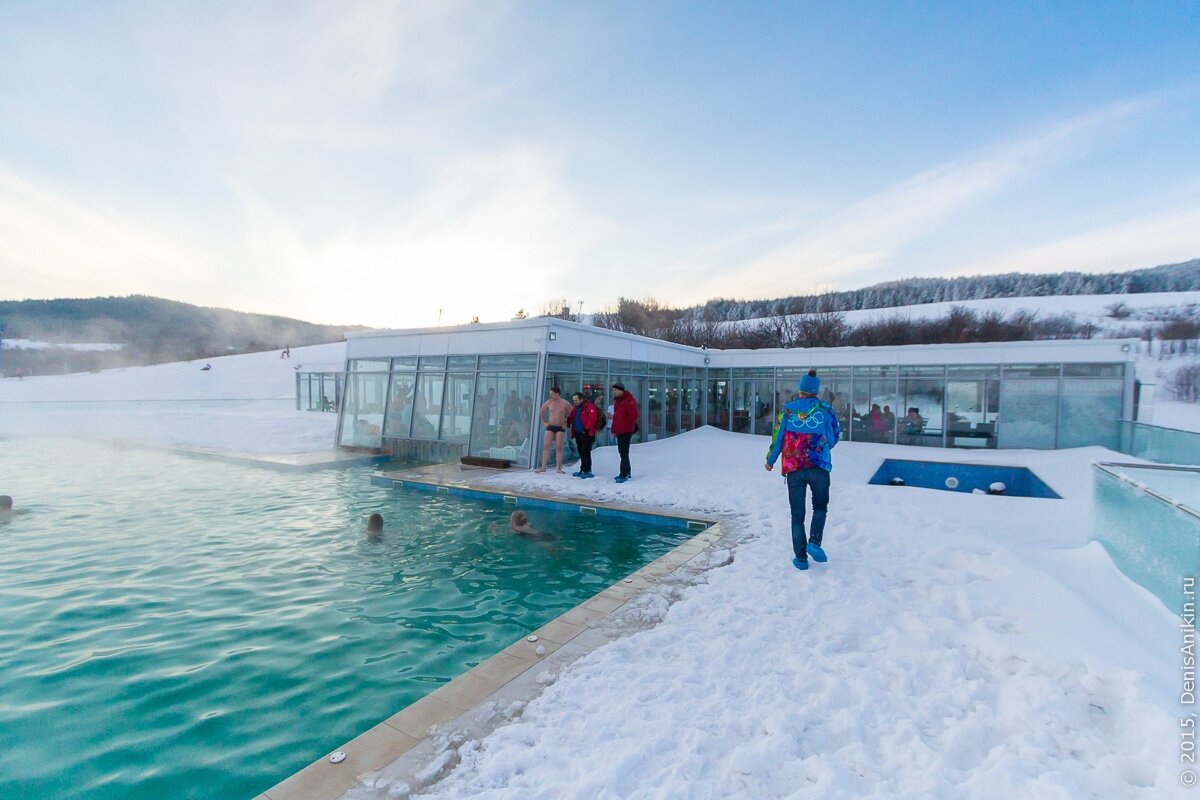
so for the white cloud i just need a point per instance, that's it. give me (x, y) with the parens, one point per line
(871, 233)
(1163, 238)
(56, 246)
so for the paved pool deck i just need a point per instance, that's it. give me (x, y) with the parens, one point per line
(402, 748)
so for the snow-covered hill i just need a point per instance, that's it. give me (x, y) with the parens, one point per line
(1095, 308)
(250, 376)
(244, 404)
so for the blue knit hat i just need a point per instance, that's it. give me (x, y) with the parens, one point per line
(810, 383)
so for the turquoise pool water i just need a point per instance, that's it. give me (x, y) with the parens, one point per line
(181, 628)
(1149, 540)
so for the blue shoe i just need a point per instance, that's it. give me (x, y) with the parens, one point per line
(576, 474)
(800, 565)
(817, 553)
(620, 479)
(586, 475)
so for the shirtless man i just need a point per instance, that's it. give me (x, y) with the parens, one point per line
(554, 416)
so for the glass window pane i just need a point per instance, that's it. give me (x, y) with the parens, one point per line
(362, 422)
(974, 371)
(718, 403)
(599, 365)
(404, 363)
(509, 362)
(369, 365)
(400, 405)
(1091, 410)
(432, 362)
(971, 413)
(690, 403)
(461, 363)
(656, 406)
(557, 363)
(921, 423)
(923, 372)
(456, 411)
(1028, 412)
(1094, 370)
(427, 405)
(875, 404)
(658, 369)
(1031, 371)
(505, 434)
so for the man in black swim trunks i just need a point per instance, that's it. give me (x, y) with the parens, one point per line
(554, 414)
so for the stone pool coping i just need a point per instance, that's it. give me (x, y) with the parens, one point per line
(405, 742)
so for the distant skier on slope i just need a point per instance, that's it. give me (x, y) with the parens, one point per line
(805, 433)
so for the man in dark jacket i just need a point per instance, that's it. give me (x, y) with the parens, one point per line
(582, 424)
(624, 423)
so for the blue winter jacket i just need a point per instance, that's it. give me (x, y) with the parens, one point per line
(805, 431)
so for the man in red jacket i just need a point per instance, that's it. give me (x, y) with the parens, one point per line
(624, 424)
(582, 424)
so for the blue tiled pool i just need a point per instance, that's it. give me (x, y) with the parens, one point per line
(969, 478)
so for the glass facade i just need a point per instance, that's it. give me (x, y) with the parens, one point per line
(488, 404)
(319, 391)
(361, 423)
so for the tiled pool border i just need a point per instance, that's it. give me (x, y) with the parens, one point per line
(511, 674)
(1111, 468)
(531, 500)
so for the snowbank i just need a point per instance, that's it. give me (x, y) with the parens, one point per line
(954, 646)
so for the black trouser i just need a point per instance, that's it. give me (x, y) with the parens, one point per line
(623, 440)
(584, 443)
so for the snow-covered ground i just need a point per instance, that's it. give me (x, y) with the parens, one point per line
(1085, 307)
(244, 404)
(954, 646)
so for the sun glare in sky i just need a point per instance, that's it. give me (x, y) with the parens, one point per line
(382, 163)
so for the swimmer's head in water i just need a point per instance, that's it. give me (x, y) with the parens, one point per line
(5, 503)
(519, 518)
(375, 523)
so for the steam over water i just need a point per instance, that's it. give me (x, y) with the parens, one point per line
(181, 628)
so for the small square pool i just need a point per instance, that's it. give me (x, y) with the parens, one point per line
(969, 478)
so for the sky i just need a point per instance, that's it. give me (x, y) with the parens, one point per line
(397, 164)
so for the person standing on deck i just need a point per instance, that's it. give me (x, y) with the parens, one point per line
(554, 416)
(583, 421)
(624, 424)
(805, 433)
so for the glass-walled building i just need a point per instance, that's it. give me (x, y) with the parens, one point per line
(478, 389)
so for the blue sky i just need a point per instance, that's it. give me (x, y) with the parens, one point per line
(374, 162)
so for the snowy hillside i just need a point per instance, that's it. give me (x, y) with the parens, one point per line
(251, 376)
(244, 404)
(1094, 308)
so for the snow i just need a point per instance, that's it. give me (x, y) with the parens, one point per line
(1086, 307)
(244, 404)
(31, 344)
(954, 646)
(1176, 414)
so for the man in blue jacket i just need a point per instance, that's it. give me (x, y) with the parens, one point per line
(805, 433)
